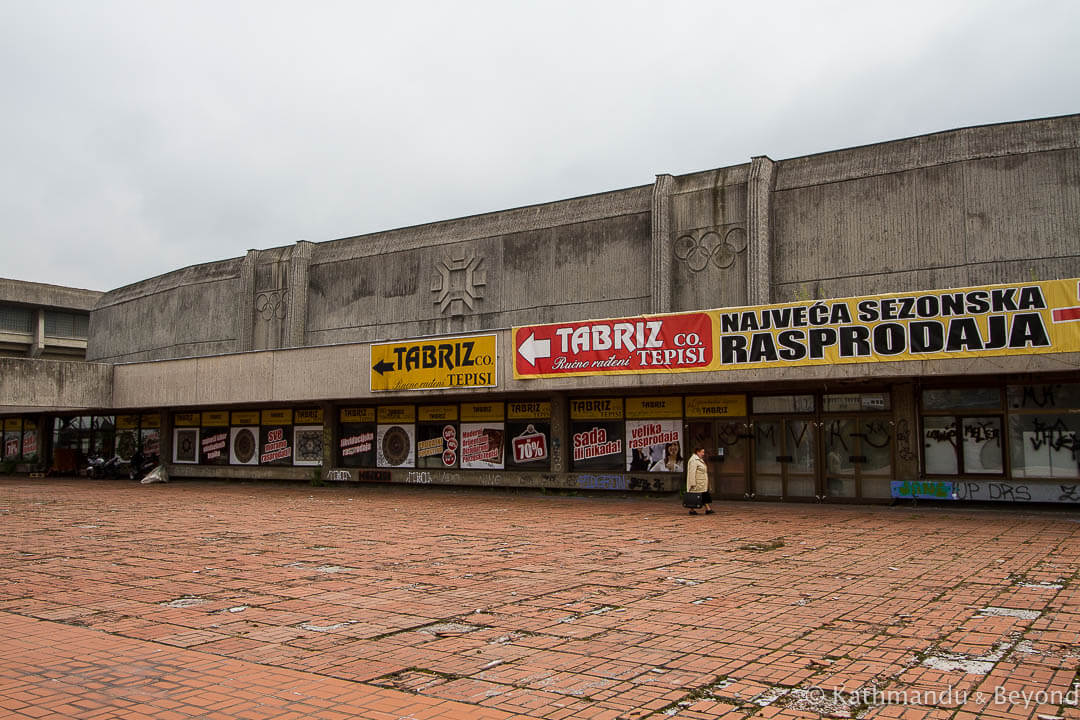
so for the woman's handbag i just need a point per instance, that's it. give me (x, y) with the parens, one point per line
(693, 500)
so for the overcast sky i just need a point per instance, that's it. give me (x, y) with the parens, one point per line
(141, 137)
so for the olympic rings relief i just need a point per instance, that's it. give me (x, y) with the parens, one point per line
(697, 251)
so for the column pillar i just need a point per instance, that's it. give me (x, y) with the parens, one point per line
(660, 271)
(331, 436)
(245, 308)
(560, 433)
(298, 294)
(759, 230)
(906, 429)
(37, 346)
(165, 456)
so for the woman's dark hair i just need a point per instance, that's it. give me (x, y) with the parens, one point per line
(699, 447)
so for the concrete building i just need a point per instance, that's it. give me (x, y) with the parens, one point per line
(894, 320)
(44, 321)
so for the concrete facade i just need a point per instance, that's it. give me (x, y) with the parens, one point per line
(296, 325)
(39, 320)
(965, 207)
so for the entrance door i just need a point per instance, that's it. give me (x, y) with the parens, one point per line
(733, 447)
(785, 457)
(726, 444)
(858, 456)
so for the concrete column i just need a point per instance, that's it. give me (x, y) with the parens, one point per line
(660, 283)
(166, 454)
(906, 431)
(331, 436)
(560, 433)
(296, 321)
(245, 308)
(759, 230)
(44, 440)
(37, 346)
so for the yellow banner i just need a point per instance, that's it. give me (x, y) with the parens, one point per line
(596, 409)
(150, 420)
(245, 417)
(186, 419)
(964, 323)
(437, 363)
(479, 412)
(127, 422)
(308, 417)
(357, 415)
(987, 321)
(653, 408)
(217, 418)
(397, 413)
(528, 410)
(437, 413)
(13, 424)
(706, 406)
(29, 425)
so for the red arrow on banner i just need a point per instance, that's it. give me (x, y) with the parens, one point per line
(1068, 314)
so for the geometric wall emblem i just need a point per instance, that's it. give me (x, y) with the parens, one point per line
(458, 284)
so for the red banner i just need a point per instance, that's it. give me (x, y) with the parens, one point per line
(627, 345)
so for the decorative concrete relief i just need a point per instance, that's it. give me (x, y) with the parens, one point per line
(458, 283)
(271, 304)
(717, 246)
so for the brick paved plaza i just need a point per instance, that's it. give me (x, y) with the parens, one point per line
(249, 601)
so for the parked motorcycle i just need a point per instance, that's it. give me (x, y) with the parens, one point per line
(99, 468)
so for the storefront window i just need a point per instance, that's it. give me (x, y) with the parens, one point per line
(11, 434)
(958, 440)
(528, 433)
(214, 438)
(1044, 431)
(982, 445)
(308, 437)
(654, 441)
(356, 445)
(940, 441)
(437, 437)
(784, 404)
(962, 399)
(597, 437)
(856, 402)
(1045, 446)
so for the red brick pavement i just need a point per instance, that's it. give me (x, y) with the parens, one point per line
(249, 601)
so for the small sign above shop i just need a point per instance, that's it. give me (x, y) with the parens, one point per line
(468, 362)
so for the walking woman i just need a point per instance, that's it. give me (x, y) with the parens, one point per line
(697, 479)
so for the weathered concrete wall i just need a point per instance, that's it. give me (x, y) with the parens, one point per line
(586, 257)
(966, 207)
(703, 255)
(44, 385)
(185, 313)
(49, 296)
(298, 375)
(342, 373)
(953, 209)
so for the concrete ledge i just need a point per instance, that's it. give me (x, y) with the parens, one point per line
(639, 482)
(624, 482)
(240, 472)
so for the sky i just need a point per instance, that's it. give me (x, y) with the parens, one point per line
(141, 137)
